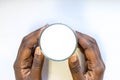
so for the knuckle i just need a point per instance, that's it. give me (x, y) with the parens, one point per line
(103, 68)
(92, 42)
(100, 69)
(25, 39)
(36, 63)
(16, 66)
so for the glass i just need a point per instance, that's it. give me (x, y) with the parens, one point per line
(58, 42)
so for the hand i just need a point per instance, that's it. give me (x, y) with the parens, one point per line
(93, 62)
(29, 61)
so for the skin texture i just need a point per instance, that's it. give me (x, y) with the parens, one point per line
(94, 66)
(29, 62)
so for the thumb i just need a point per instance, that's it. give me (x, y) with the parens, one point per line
(75, 68)
(37, 64)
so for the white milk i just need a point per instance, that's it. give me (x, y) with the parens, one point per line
(58, 42)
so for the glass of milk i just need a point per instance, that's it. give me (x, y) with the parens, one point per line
(58, 42)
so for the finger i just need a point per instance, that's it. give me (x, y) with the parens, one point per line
(91, 51)
(24, 58)
(75, 68)
(37, 64)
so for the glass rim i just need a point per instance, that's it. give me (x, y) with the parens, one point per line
(72, 32)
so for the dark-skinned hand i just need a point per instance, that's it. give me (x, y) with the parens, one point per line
(29, 61)
(94, 66)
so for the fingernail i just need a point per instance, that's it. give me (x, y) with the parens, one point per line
(74, 58)
(37, 51)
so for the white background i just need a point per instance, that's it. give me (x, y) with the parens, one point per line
(99, 19)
